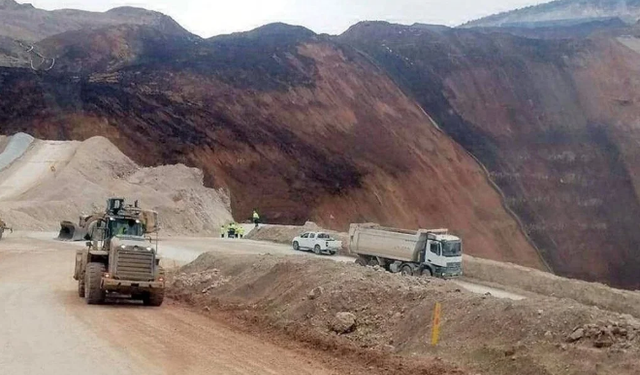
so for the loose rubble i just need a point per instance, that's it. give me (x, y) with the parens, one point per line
(344, 304)
(621, 334)
(344, 322)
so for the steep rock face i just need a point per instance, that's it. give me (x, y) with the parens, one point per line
(553, 120)
(563, 12)
(287, 121)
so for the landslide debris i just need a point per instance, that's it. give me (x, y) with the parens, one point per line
(551, 120)
(365, 308)
(293, 123)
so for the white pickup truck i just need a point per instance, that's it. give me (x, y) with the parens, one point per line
(318, 242)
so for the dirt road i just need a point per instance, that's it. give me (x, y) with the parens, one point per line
(179, 251)
(47, 329)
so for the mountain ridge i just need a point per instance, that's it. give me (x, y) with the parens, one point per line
(562, 12)
(26, 23)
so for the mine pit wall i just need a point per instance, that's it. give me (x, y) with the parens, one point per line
(553, 121)
(336, 141)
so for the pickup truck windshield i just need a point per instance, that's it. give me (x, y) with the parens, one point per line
(451, 249)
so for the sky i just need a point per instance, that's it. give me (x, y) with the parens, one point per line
(213, 17)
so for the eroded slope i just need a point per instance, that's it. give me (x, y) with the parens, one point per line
(554, 122)
(289, 122)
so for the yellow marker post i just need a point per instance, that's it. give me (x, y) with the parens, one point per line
(435, 328)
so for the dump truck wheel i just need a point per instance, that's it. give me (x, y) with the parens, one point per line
(296, 246)
(373, 262)
(93, 277)
(317, 250)
(81, 288)
(406, 270)
(426, 272)
(154, 298)
(361, 261)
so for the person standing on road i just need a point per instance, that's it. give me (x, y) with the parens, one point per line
(256, 217)
(240, 231)
(232, 230)
(223, 230)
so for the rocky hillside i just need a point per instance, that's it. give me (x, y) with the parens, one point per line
(339, 130)
(287, 121)
(26, 23)
(554, 121)
(563, 12)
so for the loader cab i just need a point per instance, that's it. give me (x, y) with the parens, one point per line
(125, 227)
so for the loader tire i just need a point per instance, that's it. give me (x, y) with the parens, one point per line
(81, 288)
(94, 295)
(154, 298)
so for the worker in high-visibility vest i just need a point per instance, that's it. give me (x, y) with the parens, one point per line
(240, 231)
(223, 230)
(232, 230)
(256, 217)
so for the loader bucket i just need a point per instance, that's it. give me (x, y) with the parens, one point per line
(71, 232)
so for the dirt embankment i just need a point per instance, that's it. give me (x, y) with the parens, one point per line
(543, 283)
(54, 181)
(507, 275)
(350, 309)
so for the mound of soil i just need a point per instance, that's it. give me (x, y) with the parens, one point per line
(78, 177)
(343, 305)
(505, 275)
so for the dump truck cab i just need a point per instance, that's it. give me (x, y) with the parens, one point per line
(119, 258)
(425, 252)
(443, 253)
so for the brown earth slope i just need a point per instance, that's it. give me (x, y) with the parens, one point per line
(24, 22)
(288, 121)
(555, 122)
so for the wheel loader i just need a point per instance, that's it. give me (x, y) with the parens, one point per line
(77, 232)
(3, 227)
(120, 259)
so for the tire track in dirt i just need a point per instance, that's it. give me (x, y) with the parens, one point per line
(48, 329)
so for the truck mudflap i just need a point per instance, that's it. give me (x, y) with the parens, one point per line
(113, 284)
